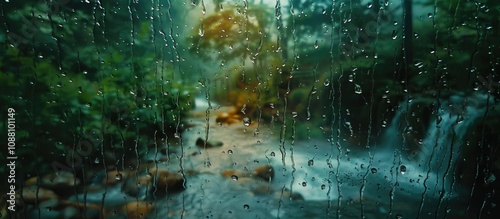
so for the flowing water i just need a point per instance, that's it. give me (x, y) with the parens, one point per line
(317, 178)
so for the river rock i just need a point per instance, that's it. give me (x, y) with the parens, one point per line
(228, 118)
(234, 174)
(138, 209)
(57, 181)
(265, 172)
(262, 190)
(137, 187)
(167, 182)
(208, 144)
(34, 194)
(287, 194)
(114, 177)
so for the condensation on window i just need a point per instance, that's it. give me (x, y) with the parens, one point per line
(249, 109)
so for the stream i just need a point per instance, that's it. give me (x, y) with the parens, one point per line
(315, 178)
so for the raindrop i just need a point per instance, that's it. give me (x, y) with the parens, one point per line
(294, 114)
(234, 177)
(230, 151)
(201, 32)
(118, 176)
(370, 5)
(273, 154)
(246, 206)
(490, 178)
(326, 83)
(402, 168)
(304, 184)
(316, 45)
(374, 170)
(394, 34)
(97, 160)
(310, 162)
(357, 89)
(247, 121)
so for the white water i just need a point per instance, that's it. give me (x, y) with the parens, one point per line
(354, 183)
(386, 172)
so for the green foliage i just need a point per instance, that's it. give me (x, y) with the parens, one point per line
(67, 89)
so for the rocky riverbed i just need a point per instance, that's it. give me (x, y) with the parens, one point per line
(224, 165)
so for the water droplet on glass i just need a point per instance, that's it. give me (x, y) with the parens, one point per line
(234, 177)
(326, 83)
(48, 208)
(97, 160)
(370, 5)
(394, 34)
(316, 45)
(247, 121)
(402, 168)
(230, 151)
(201, 32)
(304, 184)
(357, 89)
(273, 154)
(489, 179)
(323, 187)
(118, 176)
(310, 162)
(246, 206)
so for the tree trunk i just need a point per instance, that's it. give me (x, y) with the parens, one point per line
(408, 32)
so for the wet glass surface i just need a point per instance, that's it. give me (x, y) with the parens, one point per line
(249, 109)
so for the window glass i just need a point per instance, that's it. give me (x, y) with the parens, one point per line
(249, 109)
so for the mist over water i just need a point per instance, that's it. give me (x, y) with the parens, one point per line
(426, 179)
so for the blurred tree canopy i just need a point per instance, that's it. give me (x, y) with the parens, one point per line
(73, 72)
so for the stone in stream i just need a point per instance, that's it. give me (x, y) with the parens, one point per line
(235, 174)
(201, 143)
(137, 187)
(287, 194)
(228, 118)
(137, 209)
(34, 194)
(62, 183)
(265, 172)
(114, 177)
(168, 182)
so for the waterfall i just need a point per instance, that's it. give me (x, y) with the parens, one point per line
(387, 172)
